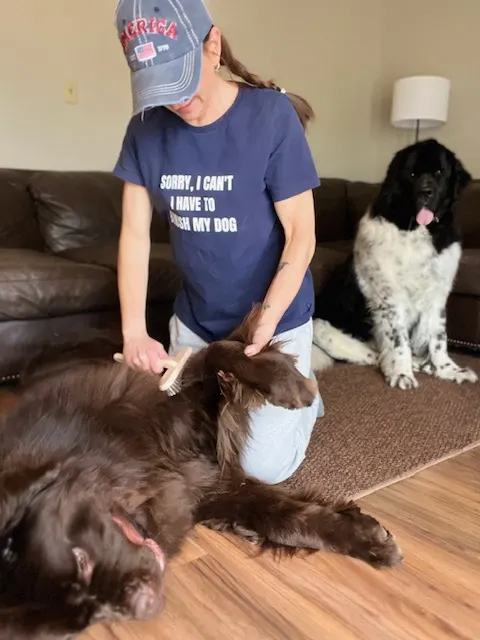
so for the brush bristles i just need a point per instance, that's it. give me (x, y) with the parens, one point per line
(171, 381)
(174, 389)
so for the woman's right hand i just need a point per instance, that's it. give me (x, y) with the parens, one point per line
(144, 353)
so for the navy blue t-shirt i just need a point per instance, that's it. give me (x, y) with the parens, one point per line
(217, 184)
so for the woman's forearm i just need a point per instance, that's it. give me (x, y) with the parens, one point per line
(295, 260)
(133, 259)
(133, 263)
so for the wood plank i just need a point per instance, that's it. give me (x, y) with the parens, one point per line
(230, 593)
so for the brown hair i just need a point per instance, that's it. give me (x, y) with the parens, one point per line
(236, 68)
(228, 60)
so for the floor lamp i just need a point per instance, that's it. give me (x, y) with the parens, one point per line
(420, 102)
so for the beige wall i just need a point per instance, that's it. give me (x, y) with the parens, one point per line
(329, 52)
(439, 38)
(44, 44)
(343, 56)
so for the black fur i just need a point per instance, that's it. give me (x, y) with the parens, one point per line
(424, 174)
(347, 311)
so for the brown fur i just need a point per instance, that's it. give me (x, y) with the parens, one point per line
(90, 441)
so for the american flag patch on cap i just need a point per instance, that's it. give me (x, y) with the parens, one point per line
(145, 51)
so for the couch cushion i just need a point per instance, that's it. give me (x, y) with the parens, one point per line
(468, 215)
(82, 208)
(22, 340)
(18, 224)
(36, 285)
(164, 279)
(76, 208)
(331, 210)
(345, 246)
(324, 261)
(360, 196)
(463, 321)
(468, 277)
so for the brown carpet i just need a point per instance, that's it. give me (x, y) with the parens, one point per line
(372, 435)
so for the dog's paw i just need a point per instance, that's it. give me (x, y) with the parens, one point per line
(384, 550)
(454, 373)
(420, 365)
(372, 543)
(371, 358)
(467, 375)
(402, 381)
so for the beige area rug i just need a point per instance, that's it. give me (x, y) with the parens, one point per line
(372, 436)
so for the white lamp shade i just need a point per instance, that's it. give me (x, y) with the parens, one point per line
(420, 98)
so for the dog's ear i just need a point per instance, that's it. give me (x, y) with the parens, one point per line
(250, 381)
(391, 185)
(84, 563)
(397, 169)
(461, 178)
(236, 372)
(244, 333)
(243, 383)
(232, 431)
(239, 396)
(19, 487)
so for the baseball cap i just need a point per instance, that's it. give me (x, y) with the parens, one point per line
(162, 41)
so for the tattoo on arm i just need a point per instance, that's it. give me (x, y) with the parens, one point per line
(266, 304)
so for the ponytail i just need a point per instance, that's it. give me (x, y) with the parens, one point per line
(236, 68)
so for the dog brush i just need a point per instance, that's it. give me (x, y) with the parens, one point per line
(171, 380)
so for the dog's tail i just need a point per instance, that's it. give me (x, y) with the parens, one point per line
(333, 344)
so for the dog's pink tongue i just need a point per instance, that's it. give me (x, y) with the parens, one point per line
(137, 539)
(425, 216)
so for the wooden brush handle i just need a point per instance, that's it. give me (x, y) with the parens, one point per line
(167, 363)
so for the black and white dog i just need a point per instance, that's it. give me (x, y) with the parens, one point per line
(386, 304)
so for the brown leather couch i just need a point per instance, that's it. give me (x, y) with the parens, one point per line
(58, 252)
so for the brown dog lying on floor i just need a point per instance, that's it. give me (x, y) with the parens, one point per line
(102, 477)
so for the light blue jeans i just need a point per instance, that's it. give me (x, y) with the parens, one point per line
(280, 436)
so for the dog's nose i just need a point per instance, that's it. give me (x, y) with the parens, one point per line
(426, 186)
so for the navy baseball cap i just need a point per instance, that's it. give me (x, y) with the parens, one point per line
(162, 41)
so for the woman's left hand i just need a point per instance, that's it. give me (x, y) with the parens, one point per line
(262, 336)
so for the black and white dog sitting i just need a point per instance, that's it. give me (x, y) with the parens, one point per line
(386, 305)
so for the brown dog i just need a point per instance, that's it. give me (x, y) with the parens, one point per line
(103, 477)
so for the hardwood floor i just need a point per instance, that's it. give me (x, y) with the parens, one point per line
(218, 588)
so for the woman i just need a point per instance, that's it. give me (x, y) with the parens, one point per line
(230, 163)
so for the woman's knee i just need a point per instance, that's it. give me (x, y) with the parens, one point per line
(271, 474)
(278, 443)
(273, 469)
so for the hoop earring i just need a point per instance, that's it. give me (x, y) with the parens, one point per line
(217, 67)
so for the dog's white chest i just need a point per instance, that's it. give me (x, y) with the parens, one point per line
(403, 264)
